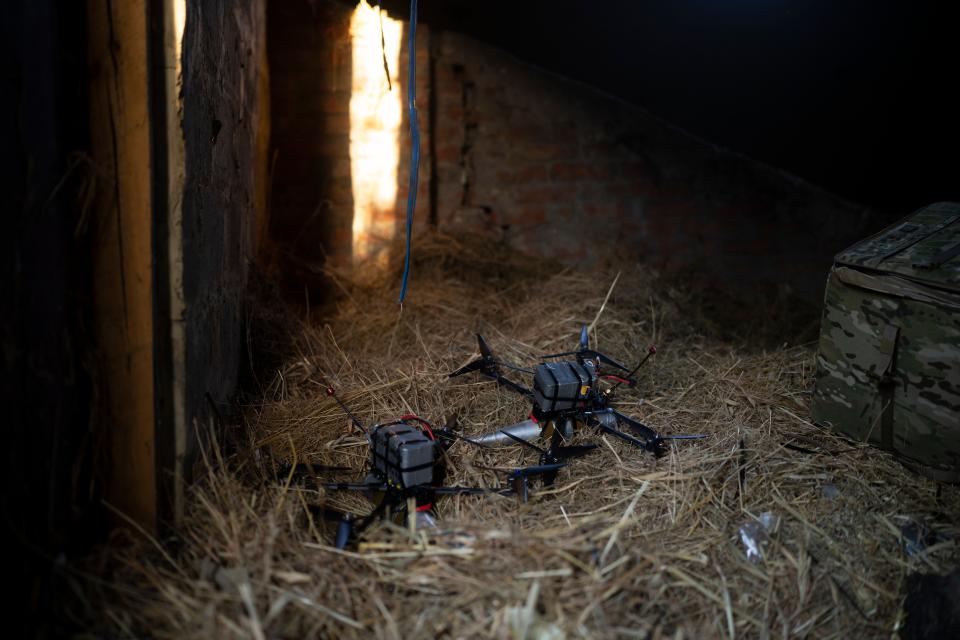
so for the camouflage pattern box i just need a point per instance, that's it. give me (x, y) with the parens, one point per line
(888, 367)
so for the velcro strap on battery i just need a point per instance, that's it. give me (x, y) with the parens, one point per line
(934, 262)
(555, 386)
(887, 385)
(394, 465)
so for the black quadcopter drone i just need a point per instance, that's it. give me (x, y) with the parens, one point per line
(566, 393)
(405, 474)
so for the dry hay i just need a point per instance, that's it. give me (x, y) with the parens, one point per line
(624, 545)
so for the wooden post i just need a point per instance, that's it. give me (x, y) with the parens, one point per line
(122, 254)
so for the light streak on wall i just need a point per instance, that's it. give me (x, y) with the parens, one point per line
(375, 117)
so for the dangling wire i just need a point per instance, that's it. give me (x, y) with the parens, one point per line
(414, 144)
(383, 47)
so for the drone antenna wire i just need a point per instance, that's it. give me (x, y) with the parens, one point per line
(333, 394)
(650, 351)
(414, 146)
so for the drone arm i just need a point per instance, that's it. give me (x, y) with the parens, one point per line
(637, 426)
(511, 385)
(354, 486)
(464, 491)
(623, 436)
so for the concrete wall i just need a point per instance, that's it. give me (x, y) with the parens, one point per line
(550, 165)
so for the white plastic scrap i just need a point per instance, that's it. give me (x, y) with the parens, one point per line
(755, 535)
(830, 491)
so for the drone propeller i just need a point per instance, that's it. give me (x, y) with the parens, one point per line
(487, 365)
(584, 352)
(590, 354)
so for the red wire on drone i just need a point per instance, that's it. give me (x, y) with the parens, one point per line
(617, 379)
(424, 423)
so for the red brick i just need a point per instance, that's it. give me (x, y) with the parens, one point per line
(545, 194)
(448, 153)
(606, 209)
(522, 174)
(335, 123)
(538, 151)
(453, 112)
(334, 102)
(331, 145)
(527, 214)
(573, 171)
(622, 190)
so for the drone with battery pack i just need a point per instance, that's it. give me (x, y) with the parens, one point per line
(567, 393)
(405, 474)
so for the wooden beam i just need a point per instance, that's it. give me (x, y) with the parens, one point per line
(122, 261)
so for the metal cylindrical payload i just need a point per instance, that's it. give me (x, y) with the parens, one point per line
(526, 430)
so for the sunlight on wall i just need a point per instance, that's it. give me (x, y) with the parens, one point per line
(375, 116)
(179, 20)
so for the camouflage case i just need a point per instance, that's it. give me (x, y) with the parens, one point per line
(888, 365)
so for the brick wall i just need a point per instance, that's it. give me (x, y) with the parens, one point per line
(311, 202)
(547, 163)
(551, 166)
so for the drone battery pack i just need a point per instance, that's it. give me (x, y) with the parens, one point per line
(403, 454)
(558, 386)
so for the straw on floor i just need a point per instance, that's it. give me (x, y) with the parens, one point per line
(624, 545)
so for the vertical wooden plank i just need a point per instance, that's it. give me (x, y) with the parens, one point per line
(122, 275)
